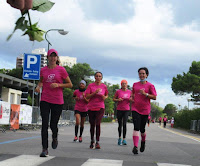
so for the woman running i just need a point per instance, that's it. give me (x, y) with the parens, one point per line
(96, 93)
(122, 97)
(142, 92)
(160, 120)
(80, 109)
(51, 81)
(165, 121)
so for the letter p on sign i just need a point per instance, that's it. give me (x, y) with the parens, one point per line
(31, 60)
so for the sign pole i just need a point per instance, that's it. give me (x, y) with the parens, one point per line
(33, 93)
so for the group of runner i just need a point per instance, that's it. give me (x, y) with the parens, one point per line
(91, 101)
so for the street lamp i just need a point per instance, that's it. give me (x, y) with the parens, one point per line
(61, 31)
(179, 107)
(189, 99)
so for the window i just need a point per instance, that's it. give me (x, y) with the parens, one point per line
(12, 97)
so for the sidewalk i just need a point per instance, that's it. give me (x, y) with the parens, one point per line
(185, 133)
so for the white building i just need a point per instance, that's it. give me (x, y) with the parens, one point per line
(11, 96)
(67, 61)
(43, 54)
(41, 51)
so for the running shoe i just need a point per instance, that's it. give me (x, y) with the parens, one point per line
(80, 139)
(54, 143)
(142, 148)
(97, 146)
(75, 139)
(124, 142)
(44, 153)
(135, 150)
(119, 141)
(92, 145)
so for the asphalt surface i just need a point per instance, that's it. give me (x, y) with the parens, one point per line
(164, 147)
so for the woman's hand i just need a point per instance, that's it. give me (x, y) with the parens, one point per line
(54, 85)
(98, 90)
(142, 92)
(120, 99)
(37, 89)
(104, 97)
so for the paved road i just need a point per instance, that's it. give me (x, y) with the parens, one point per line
(165, 147)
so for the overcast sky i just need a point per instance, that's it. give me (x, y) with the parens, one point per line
(116, 37)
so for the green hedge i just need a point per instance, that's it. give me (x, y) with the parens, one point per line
(108, 119)
(183, 119)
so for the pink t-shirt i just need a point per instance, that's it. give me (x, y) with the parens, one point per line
(56, 75)
(96, 102)
(164, 119)
(81, 104)
(125, 104)
(142, 103)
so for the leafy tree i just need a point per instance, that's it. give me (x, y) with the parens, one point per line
(68, 99)
(109, 106)
(170, 109)
(80, 71)
(156, 111)
(4, 71)
(16, 73)
(188, 83)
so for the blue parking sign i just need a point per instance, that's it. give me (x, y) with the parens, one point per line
(31, 70)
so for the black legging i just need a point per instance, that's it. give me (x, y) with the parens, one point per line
(122, 115)
(45, 109)
(95, 120)
(139, 121)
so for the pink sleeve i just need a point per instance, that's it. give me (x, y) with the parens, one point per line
(153, 90)
(64, 74)
(133, 89)
(74, 94)
(106, 91)
(88, 90)
(41, 72)
(116, 94)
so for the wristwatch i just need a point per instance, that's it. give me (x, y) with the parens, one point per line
(147, 94)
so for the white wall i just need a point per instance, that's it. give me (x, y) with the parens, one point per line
(7, 94)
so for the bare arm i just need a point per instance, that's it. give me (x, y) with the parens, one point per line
(88, 96)
(150, 96)
(40, 84)
(68, 84)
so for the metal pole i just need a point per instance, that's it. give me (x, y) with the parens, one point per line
(33, 93)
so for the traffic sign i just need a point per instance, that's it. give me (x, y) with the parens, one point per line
(31, 69)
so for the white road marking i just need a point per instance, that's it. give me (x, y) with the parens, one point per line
(168, 164)
(104, 162)
(26, 160)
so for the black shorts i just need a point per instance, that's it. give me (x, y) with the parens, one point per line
(83, 114)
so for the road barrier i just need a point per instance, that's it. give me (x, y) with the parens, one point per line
(198, 126)
(21, 116)
(193, 125)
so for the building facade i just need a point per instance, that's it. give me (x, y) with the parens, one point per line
(40, 51)
(67, 61)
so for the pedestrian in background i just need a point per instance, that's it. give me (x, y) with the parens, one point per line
(142, 92)
(172, 122)
(122, 97)
(165, 121)
(80, 110)
(51, 82)
(160, 120)
(96, 93)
